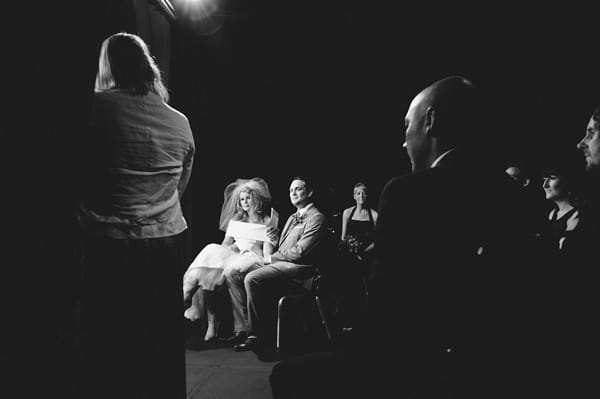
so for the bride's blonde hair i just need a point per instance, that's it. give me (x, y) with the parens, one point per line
(257, 207)
(232, 210)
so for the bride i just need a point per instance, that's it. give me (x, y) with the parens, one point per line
(245, 200)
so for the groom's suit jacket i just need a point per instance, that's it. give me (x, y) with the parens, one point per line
(299, 243)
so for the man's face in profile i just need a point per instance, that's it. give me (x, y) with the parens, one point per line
(416, 143)
(590, 145)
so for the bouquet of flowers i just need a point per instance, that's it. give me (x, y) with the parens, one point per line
(352, 246)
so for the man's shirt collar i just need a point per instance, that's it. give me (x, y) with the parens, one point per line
(302, 211)
(438, 159)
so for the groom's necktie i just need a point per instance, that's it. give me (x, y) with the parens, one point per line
(296, 219)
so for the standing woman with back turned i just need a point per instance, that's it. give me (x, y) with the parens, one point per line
(137, 160)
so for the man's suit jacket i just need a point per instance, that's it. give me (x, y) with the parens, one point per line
(434, 229)
(299, 244)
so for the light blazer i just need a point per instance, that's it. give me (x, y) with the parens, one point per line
(298, 244)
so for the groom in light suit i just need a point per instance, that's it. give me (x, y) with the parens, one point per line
(287, 271)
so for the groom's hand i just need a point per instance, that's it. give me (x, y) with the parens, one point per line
(273, 235)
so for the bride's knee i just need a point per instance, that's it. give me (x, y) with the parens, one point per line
(190, 278)
(211, 246)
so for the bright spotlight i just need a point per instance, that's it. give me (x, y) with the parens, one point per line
(202, 15)
(196, 10)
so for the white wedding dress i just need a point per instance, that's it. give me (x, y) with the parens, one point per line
(214, 259)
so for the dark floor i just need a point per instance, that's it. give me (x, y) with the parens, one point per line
(223, 373)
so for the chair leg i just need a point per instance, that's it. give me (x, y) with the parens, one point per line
(365, 286)
(323, 320)
(279, 309)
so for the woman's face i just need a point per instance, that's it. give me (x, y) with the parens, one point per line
(360, 195)
(555, 188)
(245, 201)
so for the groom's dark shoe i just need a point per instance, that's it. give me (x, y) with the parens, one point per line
(235, 339)
(249, 344)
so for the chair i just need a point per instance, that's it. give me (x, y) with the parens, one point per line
(314, 298)
(286, 304)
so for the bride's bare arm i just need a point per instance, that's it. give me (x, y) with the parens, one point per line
(267, 248)
(229, 242)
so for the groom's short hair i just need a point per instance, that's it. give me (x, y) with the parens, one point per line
(307, 182)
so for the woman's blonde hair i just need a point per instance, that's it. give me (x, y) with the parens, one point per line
(359, 185)
(259, 203)
(232, 210)
(125, 63)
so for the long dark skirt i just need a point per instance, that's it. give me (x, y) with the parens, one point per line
(132, 342)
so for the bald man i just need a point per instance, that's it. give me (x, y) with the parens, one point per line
(536, 204)
(440, 257)
(518, 175)
(441, 312)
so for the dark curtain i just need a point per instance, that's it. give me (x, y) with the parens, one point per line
(154, 27)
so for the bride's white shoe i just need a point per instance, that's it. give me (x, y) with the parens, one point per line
(192, 313)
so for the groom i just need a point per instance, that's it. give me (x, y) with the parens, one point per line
(287, 271)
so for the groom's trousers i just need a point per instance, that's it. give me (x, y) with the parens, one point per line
(259, 292)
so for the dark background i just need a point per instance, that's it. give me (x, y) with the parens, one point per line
(324, 86)
(280, 88)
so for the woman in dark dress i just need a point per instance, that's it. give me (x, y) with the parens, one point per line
(558, 186)
(357, 242)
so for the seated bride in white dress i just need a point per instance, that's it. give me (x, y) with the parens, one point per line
(245, 200)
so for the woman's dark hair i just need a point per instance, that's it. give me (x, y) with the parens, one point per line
(568, 173)
(307, 182)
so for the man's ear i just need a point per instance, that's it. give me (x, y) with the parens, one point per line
(310, 193)
(429, 119)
